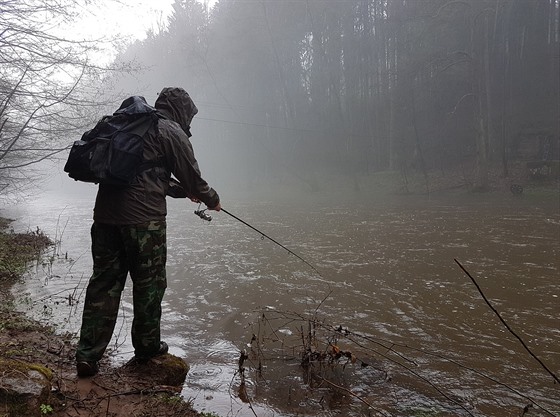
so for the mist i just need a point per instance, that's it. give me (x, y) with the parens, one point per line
(380, 140)
(321, 97)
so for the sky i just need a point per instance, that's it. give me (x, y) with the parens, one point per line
(127, 18)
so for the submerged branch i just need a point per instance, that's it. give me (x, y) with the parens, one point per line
(506, 325)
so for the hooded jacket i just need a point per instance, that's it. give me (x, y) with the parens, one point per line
(170, 148)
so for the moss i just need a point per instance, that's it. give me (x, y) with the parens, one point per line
(164, 370)
(36, 388)
(8, 365)
(176, 363)
(42, 369)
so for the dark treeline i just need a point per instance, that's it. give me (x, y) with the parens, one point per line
(303, 89)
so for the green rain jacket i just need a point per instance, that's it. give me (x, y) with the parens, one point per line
(144, 200)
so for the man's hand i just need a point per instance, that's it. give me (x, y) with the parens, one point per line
(216, 208)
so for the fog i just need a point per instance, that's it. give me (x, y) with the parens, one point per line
(310, 95)
(378, 139)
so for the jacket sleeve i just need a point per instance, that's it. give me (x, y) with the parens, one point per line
(179, 156)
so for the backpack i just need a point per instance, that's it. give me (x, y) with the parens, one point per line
(112, 152)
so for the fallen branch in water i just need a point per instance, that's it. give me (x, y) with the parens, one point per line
(505, 324)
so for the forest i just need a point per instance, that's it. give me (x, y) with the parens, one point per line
(313, 98)
(311, 91)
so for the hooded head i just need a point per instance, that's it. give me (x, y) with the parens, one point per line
(176, 104)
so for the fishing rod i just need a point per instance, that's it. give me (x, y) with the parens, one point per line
(204, 216)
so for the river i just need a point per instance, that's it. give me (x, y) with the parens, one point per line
(394, 325)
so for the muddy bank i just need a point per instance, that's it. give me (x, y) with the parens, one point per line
(37, 366)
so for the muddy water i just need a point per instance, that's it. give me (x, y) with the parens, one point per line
(419, 337)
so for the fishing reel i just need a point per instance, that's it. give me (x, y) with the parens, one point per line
(201, 213)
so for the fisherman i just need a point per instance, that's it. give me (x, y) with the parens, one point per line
(129, 236)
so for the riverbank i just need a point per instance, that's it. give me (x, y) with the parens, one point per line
(37, 365)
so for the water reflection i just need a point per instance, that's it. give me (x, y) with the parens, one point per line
(387, 275)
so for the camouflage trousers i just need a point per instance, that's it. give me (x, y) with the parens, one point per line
(117, 251)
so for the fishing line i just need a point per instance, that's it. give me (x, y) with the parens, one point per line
(272, 240)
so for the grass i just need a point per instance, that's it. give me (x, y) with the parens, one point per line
(18, 249)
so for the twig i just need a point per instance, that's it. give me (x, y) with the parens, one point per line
(450, 360)
(417, 375)
(154, 390)
(242, 392)
(322, 301)
(108, 405)
(505, 324)
(332, 384)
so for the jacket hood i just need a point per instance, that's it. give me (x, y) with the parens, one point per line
(175, 104)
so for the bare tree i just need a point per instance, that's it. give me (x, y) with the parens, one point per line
(46, 85)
